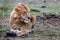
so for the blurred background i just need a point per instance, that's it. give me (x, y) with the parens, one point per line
(37, 7)
(48, 6)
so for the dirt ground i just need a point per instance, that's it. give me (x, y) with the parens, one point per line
(47, 28)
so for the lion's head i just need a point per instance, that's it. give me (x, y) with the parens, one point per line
(22, 13)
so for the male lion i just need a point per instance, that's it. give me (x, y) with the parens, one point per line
(20, 20)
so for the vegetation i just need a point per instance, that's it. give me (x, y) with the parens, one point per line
(5, 10)
(46, 33)
(3, 28)
(50, 8)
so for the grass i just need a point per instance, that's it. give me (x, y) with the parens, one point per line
(7, 6)
(51, 8)
(3, 28)
(5, 13)
(45, 33)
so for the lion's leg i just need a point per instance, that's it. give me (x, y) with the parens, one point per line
(23, 31)
(33, 20)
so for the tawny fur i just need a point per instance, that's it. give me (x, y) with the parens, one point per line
(21, 11)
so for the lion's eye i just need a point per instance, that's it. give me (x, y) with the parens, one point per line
(24, 12)
(16, 10)
(15, 18)
(28, 17)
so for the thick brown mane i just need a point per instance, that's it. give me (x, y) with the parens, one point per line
(21, 19)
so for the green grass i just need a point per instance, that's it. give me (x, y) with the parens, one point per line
(51, 8)
(4, 13)
(3, 28)
(1, 13)
(7, 6)
(45, 33)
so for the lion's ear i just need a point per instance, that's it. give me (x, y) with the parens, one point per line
(26, 7)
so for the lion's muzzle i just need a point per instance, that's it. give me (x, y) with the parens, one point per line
(25, 20)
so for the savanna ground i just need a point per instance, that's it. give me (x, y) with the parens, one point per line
(47, 22)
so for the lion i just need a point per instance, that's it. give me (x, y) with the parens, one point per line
(21, 21)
